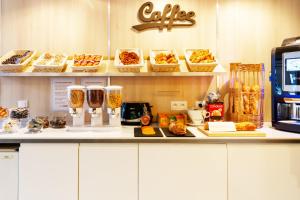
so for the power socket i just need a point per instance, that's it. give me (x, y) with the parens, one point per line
(197, 103)
(178, 105)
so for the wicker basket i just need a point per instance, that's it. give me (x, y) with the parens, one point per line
(163, 67)
(49, 69)
(37, 67)
(134, 68)
(129, 69)
(247, 93)
(15, 67)
(202, 67)
(198, 67)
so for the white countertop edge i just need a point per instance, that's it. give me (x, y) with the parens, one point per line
(126, 133)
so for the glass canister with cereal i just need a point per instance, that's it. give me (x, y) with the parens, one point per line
(114, 102)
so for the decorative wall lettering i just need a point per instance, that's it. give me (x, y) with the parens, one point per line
(169, 18)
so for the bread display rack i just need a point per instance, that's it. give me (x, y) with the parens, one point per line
(247, 93)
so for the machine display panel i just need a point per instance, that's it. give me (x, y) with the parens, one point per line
(291, 71)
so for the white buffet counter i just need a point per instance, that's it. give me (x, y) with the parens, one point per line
(114, 165)
(126, 134)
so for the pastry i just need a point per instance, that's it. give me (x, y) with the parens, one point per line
(177, 128)
(202, 56)
(3, 112)
(129, 58)
(87, 60)
(148, 130)
(245, 126)
(163, 58)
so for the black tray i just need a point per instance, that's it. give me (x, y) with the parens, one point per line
(169, 134)
(138, 133)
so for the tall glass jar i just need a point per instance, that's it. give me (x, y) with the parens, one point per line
(113, 97)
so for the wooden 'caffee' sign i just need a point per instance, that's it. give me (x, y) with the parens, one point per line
(171, 17)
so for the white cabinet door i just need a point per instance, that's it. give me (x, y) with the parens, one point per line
(182, 172)
(48, 172)
(108, 172)
(264, 171)
(9, 163)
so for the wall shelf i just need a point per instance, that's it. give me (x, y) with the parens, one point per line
(108, 70)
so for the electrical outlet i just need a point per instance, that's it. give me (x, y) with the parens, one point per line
(199, 103)
(178, 105)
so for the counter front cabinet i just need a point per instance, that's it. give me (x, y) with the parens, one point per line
(48, 172)
(182, 171)
(263, 171)
(108, 171)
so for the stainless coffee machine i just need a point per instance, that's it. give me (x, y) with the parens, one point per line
(285, 84)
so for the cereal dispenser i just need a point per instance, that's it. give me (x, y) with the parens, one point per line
(114, 102)
(76, 100)
(95, 97)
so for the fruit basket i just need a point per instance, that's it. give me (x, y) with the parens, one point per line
(164, 61)
(129, 60)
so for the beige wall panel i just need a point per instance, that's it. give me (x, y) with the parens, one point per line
(248, 30)
(160, 91)
(202, 34)
(36, 90)
(53, 25)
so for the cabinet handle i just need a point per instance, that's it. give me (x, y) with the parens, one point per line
(7, 157)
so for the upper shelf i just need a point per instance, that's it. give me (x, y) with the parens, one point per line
(108, 70)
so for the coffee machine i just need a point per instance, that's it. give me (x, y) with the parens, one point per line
(76, 96)
(285, 85)
(95, 98)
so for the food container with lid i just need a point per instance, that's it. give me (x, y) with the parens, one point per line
(76, 96)
(58, 122)
(95, 96)
(114, 102)
(129, 60)
(113, 96)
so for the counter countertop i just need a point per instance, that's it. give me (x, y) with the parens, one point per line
(125, 134)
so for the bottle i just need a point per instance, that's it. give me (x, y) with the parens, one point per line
(145, 119)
